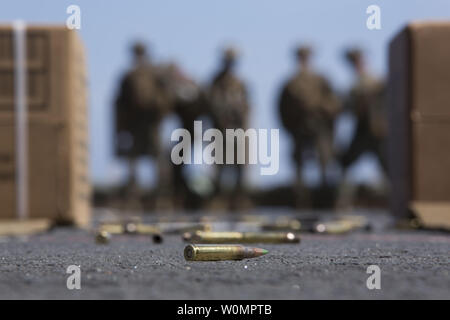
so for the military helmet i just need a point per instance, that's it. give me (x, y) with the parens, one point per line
(230, 54)
(139, 49)
(353, 55)
(303, 52)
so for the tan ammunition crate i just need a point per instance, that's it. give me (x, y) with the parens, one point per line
(58, 183)
(419, 95)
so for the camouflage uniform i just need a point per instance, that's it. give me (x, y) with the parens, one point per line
(366, 102)
(141, 103)
(307, 108)
(188, 104)
(229, 108)
(188, 99)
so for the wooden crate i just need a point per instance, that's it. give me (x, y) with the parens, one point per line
(58, 183)
(419, 129)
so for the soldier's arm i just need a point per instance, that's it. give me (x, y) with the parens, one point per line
(121, 104)
(378, 112)
(121, 95)
(246, 100)
(331, 103)
(348, 101)
(285, 108)
(164, 97)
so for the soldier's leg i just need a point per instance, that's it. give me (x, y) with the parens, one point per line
(218, 172)
(132, 195)
(163, 187)
(180, 186)
(301, 193)
(132, 180)
(240, 168)
(221, 197)
(381, 153)
(357, 147)
(235, 201)
(346, 191)
(157, 152)
(325, 151)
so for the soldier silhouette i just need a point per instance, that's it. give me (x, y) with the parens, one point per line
(141, 103)
(229, 109)
(188, 104)
(366, 101)
(307, 108)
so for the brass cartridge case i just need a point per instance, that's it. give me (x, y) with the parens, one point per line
(221, 252)
(241, 237)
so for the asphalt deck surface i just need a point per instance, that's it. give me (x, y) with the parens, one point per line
(414, 265)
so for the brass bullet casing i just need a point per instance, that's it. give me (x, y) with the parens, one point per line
(213, 237)
(102, 237)
(221, 252)
(188, 228)
(147, 229)
(133, 229)
(112, 228)
(282, 225)
(130, 228)
(358, 222)
(334, 227)
(241, 237)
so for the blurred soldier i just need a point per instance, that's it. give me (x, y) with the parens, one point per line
(188, 98)
(188, 104)
(366, 102)
(229, 109)
(140, 105)
(307, 107)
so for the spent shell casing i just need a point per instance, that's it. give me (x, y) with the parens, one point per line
(188, 228)
(282, 225)
(358, 222)
(147, 229)
(102, 237)
(112, 228)
(130, 228)
(221, 252)
(334, 227)
(241, 237)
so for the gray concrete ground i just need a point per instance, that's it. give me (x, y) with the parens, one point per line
(414, 265)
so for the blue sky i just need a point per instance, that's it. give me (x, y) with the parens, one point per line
(192, 33)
